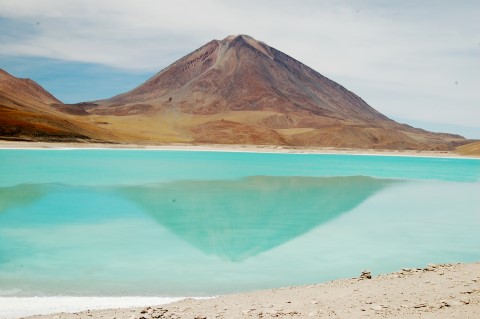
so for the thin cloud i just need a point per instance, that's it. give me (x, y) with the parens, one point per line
(402, 58)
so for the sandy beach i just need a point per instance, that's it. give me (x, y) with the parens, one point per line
(433, 291)
(229, 148)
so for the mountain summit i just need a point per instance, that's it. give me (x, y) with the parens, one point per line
(241, 91)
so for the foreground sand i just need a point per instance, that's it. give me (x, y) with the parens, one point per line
(437, 291)
(230, 148)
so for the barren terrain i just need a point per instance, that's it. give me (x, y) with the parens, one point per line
(434, 291)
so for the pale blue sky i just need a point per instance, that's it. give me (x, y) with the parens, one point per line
(414, 61)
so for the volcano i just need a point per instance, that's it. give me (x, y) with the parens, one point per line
(242, 74)
(241, 91)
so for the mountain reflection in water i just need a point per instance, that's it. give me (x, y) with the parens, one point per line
(237, 219)
(20, 195)
(231, 219)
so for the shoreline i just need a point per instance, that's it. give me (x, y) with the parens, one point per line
(15, 145)
(435, 291)
(19, 307)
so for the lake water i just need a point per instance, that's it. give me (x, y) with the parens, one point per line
(179, 223)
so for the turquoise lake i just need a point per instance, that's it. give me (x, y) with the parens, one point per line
(181, 223)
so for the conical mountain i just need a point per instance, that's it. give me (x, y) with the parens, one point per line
(240, 73)
(241, 91)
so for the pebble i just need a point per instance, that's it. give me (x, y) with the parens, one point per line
(366, 275)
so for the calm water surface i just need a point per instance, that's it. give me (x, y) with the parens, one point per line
(178, 223)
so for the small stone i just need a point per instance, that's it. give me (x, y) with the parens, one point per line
(430, 267)
(366, 275)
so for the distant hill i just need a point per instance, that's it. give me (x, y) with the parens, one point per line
(472, 149)
(28, 112)
(241, 91)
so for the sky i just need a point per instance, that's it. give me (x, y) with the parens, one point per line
(418, 62)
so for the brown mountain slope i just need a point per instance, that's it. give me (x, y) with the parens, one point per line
(240, 73)
(29, 112)
(239, 90)
(471, 149)
(24, 90)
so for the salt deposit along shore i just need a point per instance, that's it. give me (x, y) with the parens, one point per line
(434, 291)
(229, 148)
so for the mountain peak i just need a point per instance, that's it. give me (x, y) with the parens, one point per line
(26, 88)
(233, 36)
(239, 37)
(243, 40)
